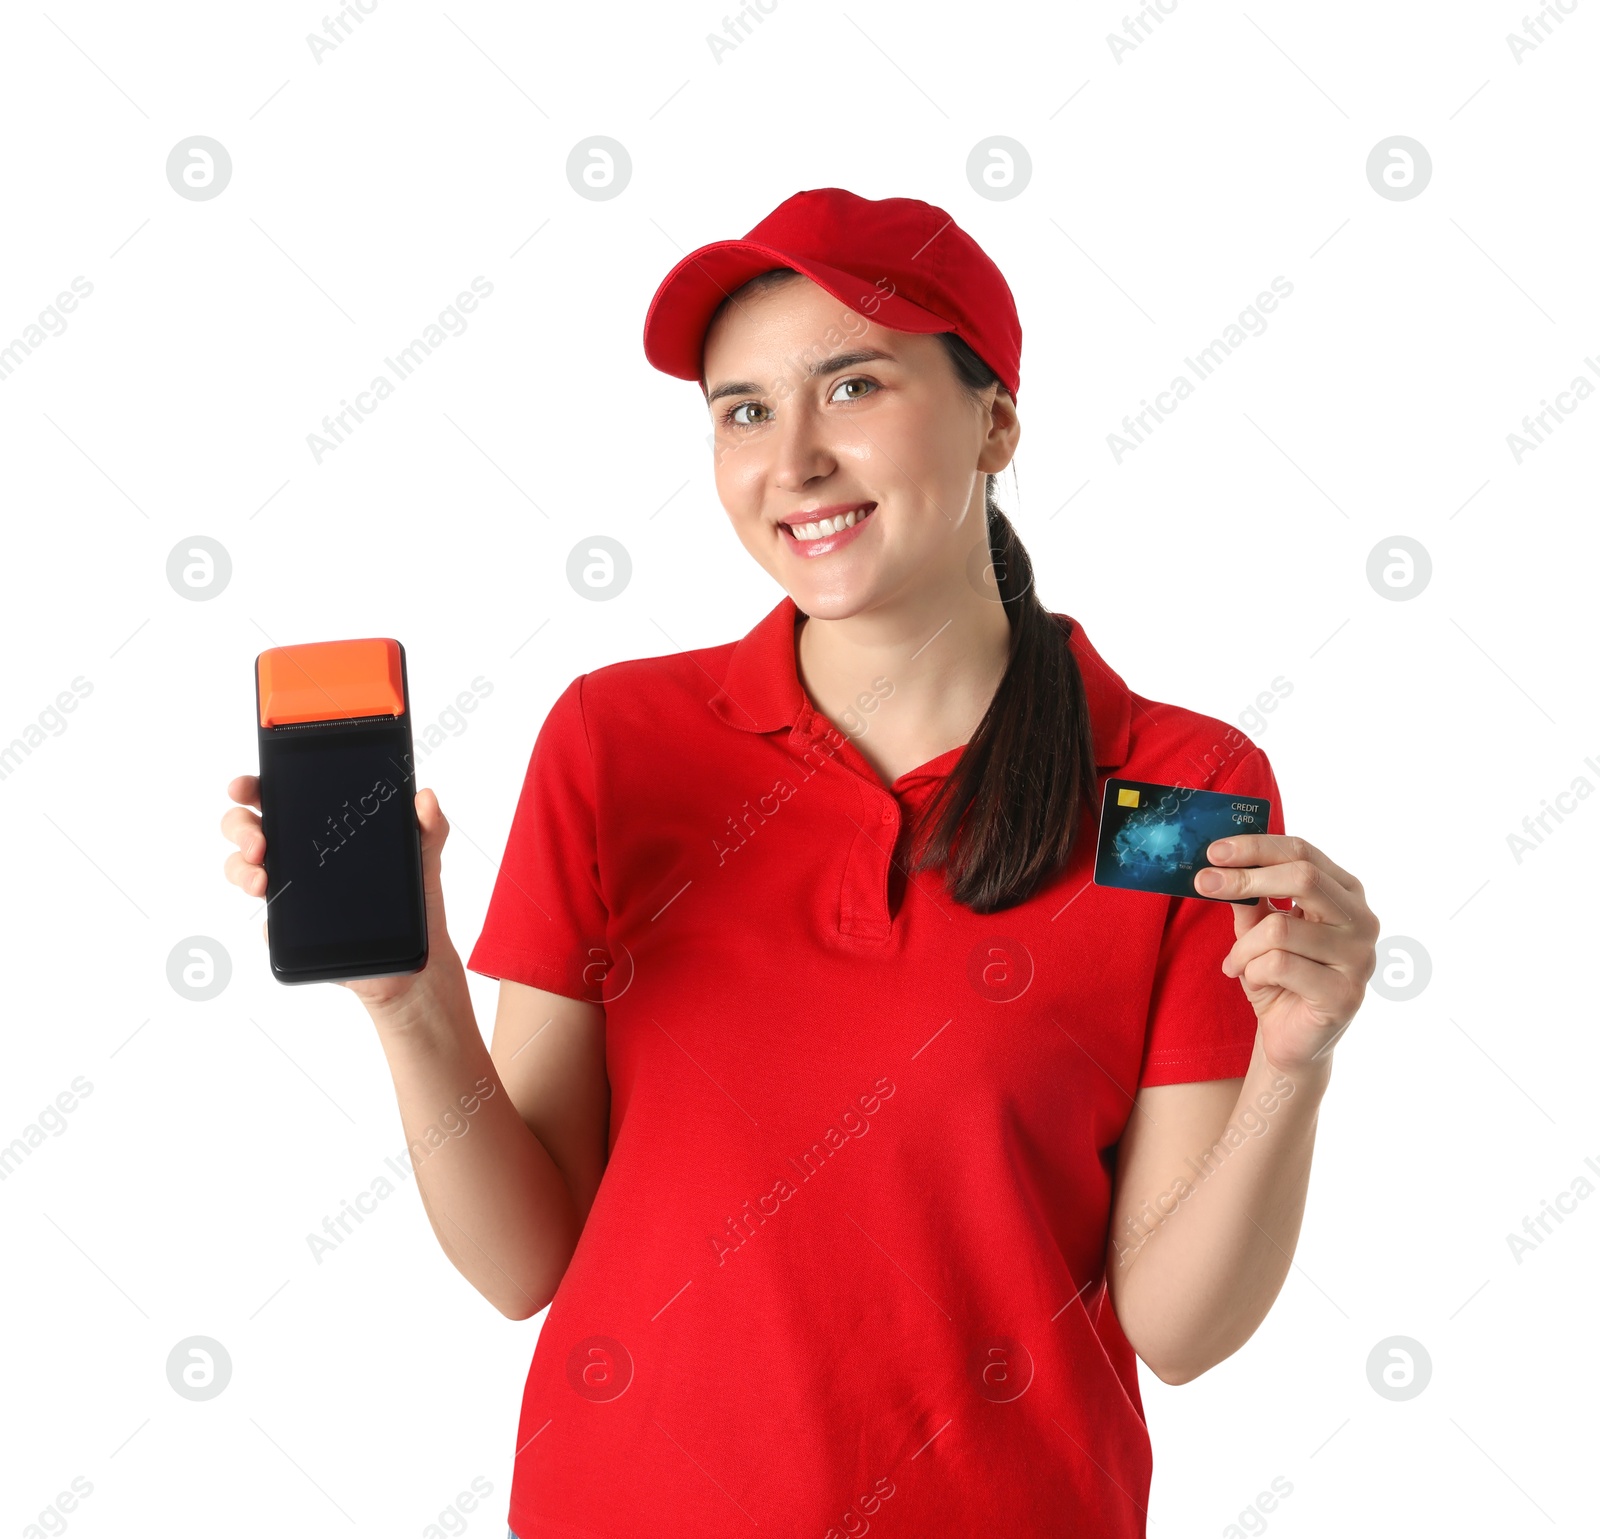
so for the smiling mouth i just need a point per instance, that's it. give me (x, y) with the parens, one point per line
(822, 528)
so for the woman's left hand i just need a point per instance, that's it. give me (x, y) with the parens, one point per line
(1304, 968)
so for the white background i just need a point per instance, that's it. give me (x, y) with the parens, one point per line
(1166, 190)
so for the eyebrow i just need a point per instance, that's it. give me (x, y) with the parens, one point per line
(826, 366)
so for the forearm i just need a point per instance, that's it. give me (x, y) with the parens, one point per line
(498, 1203)
(1198, 1262)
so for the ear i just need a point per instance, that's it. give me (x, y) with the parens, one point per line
(1005, 429)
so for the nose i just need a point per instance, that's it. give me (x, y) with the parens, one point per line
(801, 452)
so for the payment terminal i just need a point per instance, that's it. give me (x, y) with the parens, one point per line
(344, 853)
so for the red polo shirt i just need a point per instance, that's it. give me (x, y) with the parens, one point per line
(846, 1266)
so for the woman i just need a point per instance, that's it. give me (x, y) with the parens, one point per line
(855, 1137)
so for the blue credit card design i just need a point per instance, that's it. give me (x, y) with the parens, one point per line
(1153, 838)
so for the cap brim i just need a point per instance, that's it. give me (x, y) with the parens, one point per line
(675, 325)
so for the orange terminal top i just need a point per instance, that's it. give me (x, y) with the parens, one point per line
(327, 680)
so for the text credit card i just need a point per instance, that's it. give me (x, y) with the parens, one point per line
(1153, 838)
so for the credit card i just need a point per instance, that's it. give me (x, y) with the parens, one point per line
(1153, 838)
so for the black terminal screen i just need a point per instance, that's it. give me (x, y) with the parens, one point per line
(338, 814)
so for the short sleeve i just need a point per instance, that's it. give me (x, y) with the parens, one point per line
(1200, 1024)
(546, 921)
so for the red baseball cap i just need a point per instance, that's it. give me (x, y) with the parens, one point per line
(900, 262)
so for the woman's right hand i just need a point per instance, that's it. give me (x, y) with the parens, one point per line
(242, 824)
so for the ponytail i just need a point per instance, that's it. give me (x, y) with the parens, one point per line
(1007, 817)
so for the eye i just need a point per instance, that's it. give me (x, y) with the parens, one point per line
(857, 380)
(732, 418)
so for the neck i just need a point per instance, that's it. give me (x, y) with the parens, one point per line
(910, 681)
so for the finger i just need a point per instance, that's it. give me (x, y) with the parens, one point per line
(1269, 849)
(251, 877)
(431, 820)
(435, 828)
(244, 828)
(1281, 931)
(246, 789)
(1319, 895)
(1325, 990)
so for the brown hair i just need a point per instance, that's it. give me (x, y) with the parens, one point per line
(1009, 813)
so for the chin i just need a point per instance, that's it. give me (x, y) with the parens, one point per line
(831, 601)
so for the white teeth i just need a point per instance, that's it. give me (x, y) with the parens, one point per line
(828, 525)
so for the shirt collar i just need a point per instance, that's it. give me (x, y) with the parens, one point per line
(761, 690)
